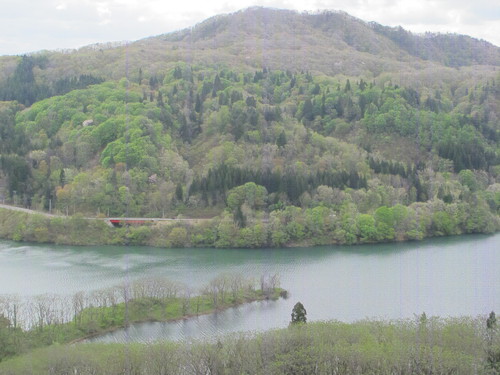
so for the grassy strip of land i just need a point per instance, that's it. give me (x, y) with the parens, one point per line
(459, 346)
(47, 319)
(98, 320)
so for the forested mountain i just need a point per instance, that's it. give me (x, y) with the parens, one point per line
(291, 127)
(328, 42)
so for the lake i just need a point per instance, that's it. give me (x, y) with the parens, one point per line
(444, 276)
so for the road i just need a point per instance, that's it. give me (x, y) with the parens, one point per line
(109, 220)
(28, 211)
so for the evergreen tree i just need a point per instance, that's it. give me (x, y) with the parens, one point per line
(240, 218)
(159, 100)
(347, 86)
(299, 314)
(281, 141)
(307, 110)
(178, 192)
(362, 85)
(198, 104)
(139, 80)
(153, 82)
(62, 178)
(491, 322)
(492, 351)
(216, 86)
(315, 90)
(423, 318)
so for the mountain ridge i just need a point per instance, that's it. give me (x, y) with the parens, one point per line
(329, 42)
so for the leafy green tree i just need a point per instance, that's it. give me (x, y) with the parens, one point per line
(8, 337)
(480, 218)
(367, 230)
(253, 195)
(442, 223)
(178, 236)
(317, 220)
(467, 178)
(384, 220)
(347, 230)
(227, 232)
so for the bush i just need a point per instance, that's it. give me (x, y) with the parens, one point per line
(139, 235)
(178, 237)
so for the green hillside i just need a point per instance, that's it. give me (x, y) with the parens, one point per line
(290, 128)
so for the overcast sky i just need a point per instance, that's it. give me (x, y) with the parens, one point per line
(28, 25)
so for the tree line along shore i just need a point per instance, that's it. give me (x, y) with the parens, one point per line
(289, 227)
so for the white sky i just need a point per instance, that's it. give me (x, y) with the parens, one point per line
(28, 25)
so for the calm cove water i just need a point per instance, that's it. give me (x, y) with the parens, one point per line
(446, 276)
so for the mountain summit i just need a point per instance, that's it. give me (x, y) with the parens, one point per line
(328, 42)
(299, 40)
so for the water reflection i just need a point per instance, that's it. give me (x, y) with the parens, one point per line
(253, 316)
(446, 276)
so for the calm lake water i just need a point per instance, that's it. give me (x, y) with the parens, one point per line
(446, 276)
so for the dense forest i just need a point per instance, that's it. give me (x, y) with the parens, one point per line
(276, 156)
(290, 154)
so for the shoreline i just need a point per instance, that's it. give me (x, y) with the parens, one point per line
(21, 226)
(274, 297)
(94, 314)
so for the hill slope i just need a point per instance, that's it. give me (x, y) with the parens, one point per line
(327, 42)
(293, 128)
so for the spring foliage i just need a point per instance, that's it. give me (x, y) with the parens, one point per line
(290, 157)
(437, 346)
